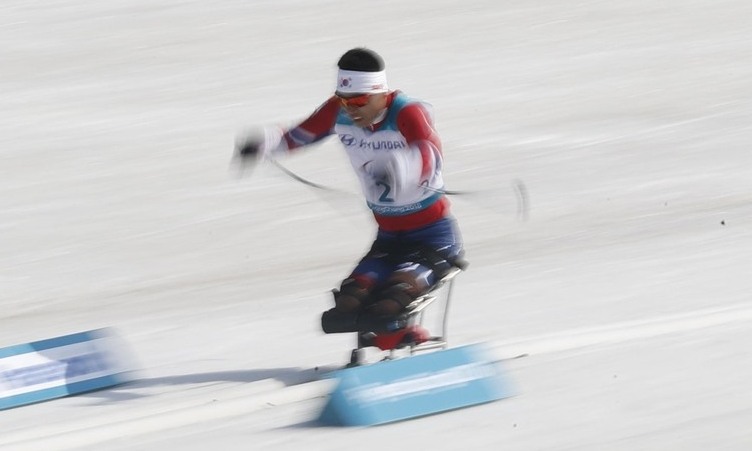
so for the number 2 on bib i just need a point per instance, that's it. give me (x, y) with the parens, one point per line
(385, 194)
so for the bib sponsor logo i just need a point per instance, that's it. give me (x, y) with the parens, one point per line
(379, 145)
(349, 140)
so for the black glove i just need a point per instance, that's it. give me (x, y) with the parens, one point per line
(248, 150)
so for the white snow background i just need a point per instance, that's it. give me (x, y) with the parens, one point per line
(629, 285)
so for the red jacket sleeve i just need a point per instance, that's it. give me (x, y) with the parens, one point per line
(415, 124)
(316, 127)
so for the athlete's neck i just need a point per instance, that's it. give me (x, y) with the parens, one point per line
(378, 119)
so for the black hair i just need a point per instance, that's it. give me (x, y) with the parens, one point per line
(361, 59)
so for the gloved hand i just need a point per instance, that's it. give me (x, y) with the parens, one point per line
(248, 150)
(248, 153)
(257, 146)
(395, 170)
(377, 170)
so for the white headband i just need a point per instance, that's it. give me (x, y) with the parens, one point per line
(356, 82)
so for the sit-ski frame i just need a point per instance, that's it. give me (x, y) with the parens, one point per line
(414, 315)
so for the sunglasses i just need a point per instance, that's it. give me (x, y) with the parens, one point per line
(355, 101)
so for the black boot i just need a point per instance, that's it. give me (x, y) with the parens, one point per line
(336, 322)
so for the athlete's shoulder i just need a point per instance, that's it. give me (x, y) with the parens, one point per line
(404, 110)
(402, 104)
(414, 119)
(399, 100)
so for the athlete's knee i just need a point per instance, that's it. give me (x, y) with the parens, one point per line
(400, 291)
(352, 295)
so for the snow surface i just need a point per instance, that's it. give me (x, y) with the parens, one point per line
(628, 286)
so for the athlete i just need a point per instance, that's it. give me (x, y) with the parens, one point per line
(396, 153)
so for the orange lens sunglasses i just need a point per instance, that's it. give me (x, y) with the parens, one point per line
(356, 101)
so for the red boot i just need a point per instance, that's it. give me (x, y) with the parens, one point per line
(409, 335)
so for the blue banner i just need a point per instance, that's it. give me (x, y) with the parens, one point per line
(415, 386)
(60, 366)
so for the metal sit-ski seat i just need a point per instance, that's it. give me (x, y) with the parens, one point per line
(415, 315)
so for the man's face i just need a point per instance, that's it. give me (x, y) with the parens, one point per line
(363, 109)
